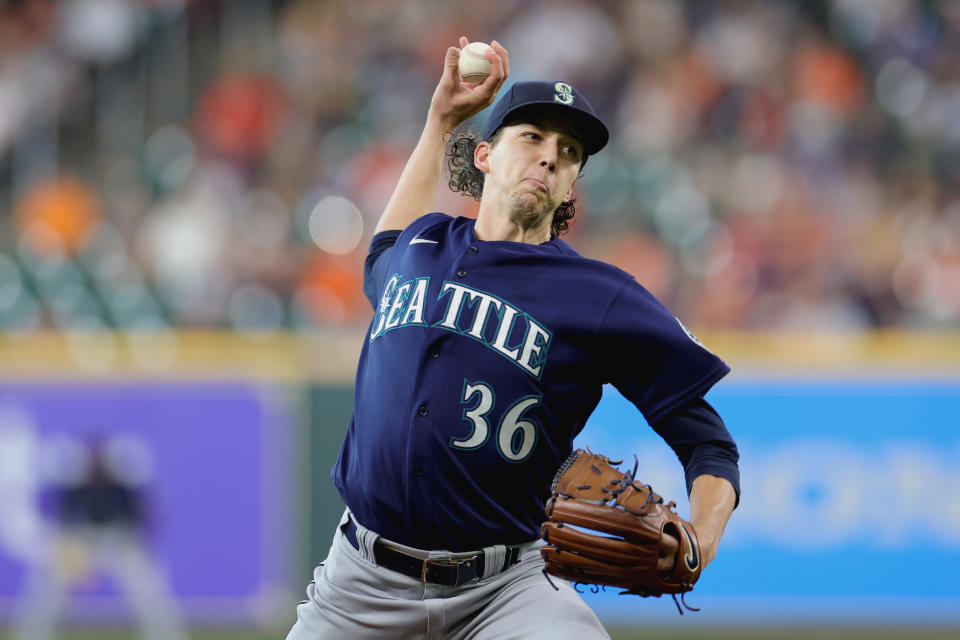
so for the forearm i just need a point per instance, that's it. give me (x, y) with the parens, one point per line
(416, 190)
(711, 502)
(452, 103)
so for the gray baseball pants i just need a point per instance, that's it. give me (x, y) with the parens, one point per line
(351, 597)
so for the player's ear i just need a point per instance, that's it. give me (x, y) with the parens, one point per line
(567, 198)
(481, 156)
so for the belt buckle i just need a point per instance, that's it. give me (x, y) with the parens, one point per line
(423, 572)
(450, 563)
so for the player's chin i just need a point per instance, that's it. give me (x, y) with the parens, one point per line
(531, 206)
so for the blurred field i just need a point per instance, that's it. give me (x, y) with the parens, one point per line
(127, 635)
(732, 633)
(777, 633)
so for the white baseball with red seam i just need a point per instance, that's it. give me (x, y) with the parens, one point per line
(473, 65)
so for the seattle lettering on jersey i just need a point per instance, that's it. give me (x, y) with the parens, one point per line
(468, 312)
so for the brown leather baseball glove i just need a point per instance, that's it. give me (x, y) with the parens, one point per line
(606, 528)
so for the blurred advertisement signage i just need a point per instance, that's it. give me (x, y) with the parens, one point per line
(847, 489)
(192, 479)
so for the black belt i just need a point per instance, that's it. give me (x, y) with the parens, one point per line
(450, 573)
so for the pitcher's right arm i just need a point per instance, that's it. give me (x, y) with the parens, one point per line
(453, 102)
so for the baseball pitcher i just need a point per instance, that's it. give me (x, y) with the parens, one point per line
(490, 344)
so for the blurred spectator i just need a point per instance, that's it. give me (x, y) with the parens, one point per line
(773, 164)
(54, 216)
(238, 116)
(99, 514)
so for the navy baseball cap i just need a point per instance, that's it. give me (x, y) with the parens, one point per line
(590, 129)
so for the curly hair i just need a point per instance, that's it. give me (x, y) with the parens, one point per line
(466, 179)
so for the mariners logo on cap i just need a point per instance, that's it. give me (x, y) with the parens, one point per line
(563, 93)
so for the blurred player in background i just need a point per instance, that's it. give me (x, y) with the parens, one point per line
(99, 523)
(489, 347)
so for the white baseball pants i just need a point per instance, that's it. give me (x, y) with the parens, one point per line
(351, 597)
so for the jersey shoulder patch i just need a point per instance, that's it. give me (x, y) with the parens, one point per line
(690, 334)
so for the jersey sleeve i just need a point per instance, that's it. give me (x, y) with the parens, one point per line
(375, 266)
(382, 248)
(699, 437)
(650, 357)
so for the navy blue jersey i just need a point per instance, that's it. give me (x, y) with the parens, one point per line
(482, 363)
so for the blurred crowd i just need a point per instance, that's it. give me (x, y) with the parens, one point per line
(214, 164)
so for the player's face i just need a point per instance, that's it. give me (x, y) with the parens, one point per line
(532, 166)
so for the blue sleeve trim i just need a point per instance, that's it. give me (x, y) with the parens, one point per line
(698, 436)
(377, 258)
(714, 461)
(382, 241)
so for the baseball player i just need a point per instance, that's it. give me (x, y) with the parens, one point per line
(489, 346)
(98, 528)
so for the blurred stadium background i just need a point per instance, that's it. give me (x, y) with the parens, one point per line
(187, 189)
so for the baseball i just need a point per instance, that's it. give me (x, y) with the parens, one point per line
(473, 64)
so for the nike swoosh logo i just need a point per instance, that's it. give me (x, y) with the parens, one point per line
(691, 559)
(418, 240)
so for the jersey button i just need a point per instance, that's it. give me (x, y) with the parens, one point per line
(472, 249)
(423, 410)
(435, 352)
(462, 272)
(418, 471)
